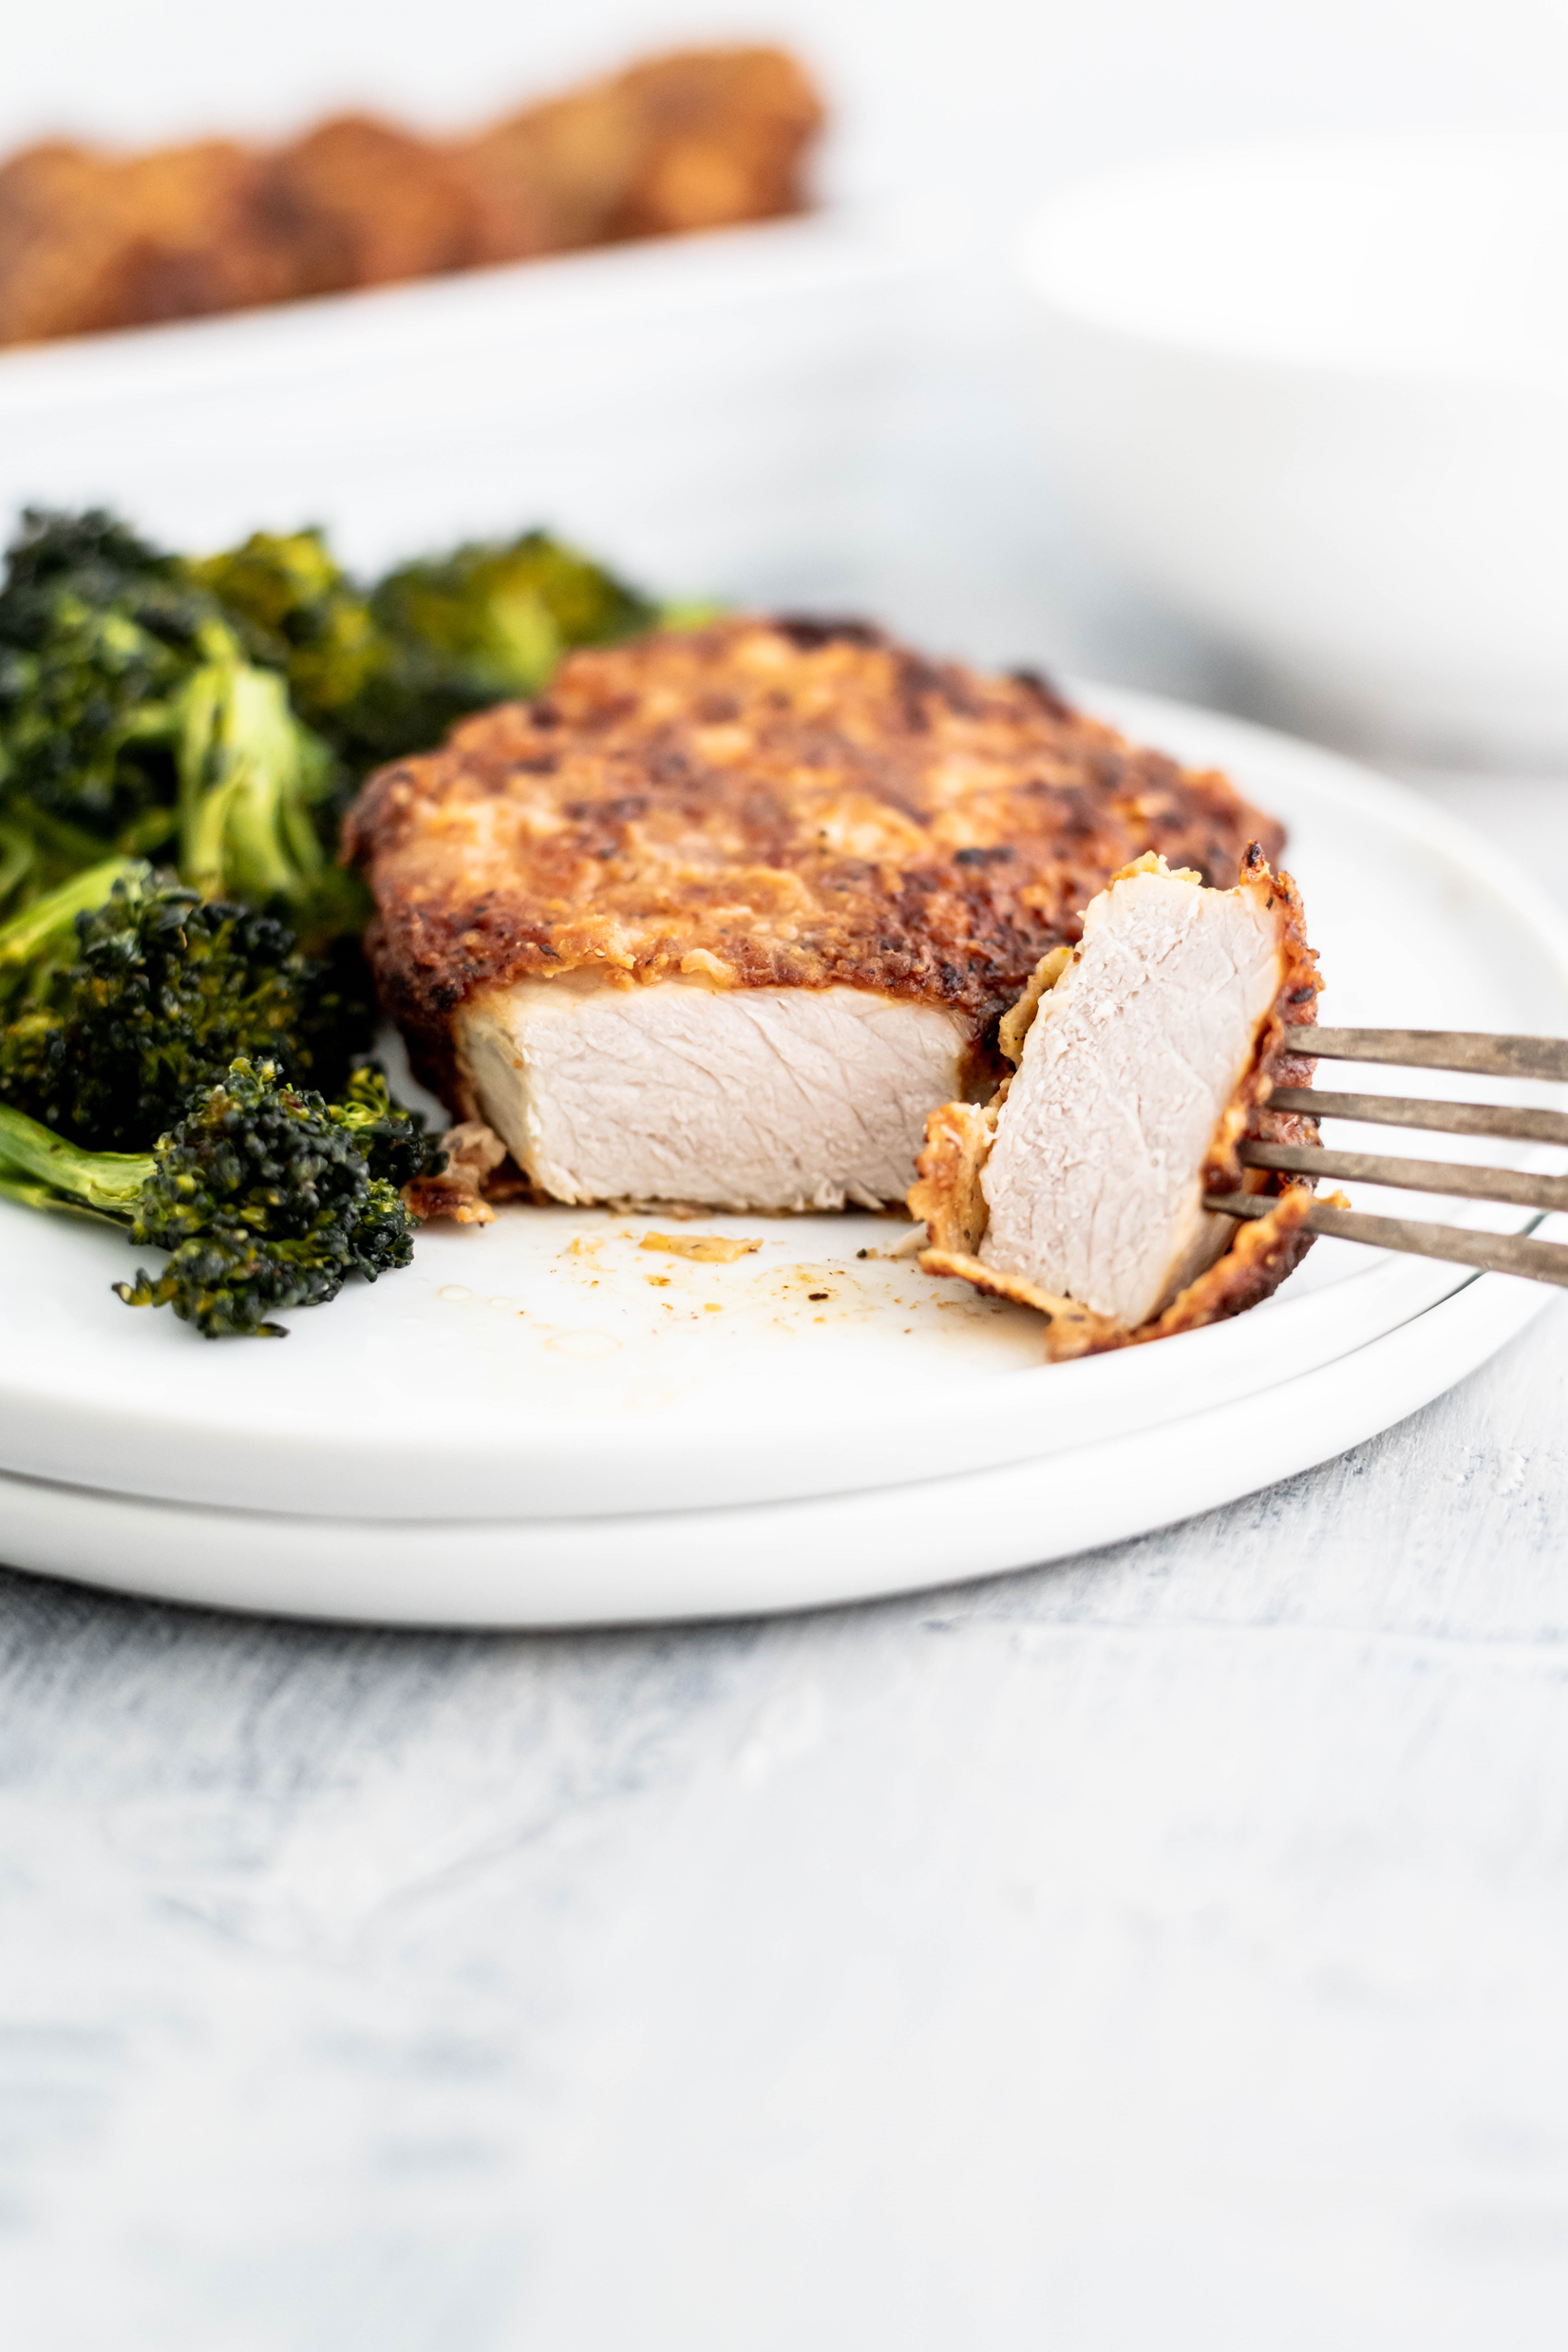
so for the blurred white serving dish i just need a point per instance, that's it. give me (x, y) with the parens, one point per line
(680, 405)
(1315, 395)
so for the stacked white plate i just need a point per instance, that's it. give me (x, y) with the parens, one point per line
(545, 1421)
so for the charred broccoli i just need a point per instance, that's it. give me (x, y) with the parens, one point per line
(97, 630)
(132, 717)
(299, 612)
(263, 1196)
(34, 941)
(388, 671)
(150, 990)
(474, 627)
(38, 851)
(254, 783)
(223, 710)
(216, 715)
(392, 1139)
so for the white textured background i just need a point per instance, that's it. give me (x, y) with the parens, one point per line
(1163, 1951)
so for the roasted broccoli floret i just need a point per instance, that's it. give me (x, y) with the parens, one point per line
(97, 630)
(35, 941)
(38, 851)
(252, 783)
(502, 614)
(222, 710)
(298, 611)
(392, 1138)
(263, 1196)
(132, 714)
(388, 673)
(137, 991)
(459, 632)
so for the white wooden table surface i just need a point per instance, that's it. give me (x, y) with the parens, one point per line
(1166, 1948)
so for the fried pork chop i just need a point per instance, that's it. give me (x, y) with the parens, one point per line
(1143, 1056)
(723, 914)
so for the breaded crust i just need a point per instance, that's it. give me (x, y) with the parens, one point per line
(1263, 1252)
(758, 803)
(949, 1197)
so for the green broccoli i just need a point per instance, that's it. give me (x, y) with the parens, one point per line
(97, 630)
(392, 1138)
(38, 852)
(132, 717)
(263, 1196)
(223, 710)
(31, 940)
(137, 991)
(458, 632)
(299, 612)
(222, 713)
(252, 779)
(386, 673)
(502, 616)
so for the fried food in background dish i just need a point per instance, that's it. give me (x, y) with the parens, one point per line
(55, 267)
(1141, 1057)
(90, 241)
(723, 915)
(360, 202)
(693, 140)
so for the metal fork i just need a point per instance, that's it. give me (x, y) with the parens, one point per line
(1423, 1048)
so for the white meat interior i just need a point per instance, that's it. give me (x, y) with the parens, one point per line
(780, 1098)
(1093, 1180)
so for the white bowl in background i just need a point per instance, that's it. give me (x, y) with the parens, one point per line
(1315, 396)
(704, 411)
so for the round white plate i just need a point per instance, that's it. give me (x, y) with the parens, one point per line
(670, 1565)
(551, 1366)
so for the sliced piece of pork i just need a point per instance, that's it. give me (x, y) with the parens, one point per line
(1142, 1059)
(742, 1098)
(1093, 1184)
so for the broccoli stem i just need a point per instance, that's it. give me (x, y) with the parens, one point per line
(263, 1197)
(248, 771)
(51, 920)
(43, 1171)
(38, 850)
(16, 859)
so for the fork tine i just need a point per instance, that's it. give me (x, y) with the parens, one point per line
(1373, 1167)
(1494, 1253)
(1530, 1127)
(1438, 1049)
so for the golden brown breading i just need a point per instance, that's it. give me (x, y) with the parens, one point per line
(359, 203)
(51, 261)
(196, 240)
(949, 1198)
(89, 242)
(724, 135)
(692, 141)
(1264, 1251)
(765, 802)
